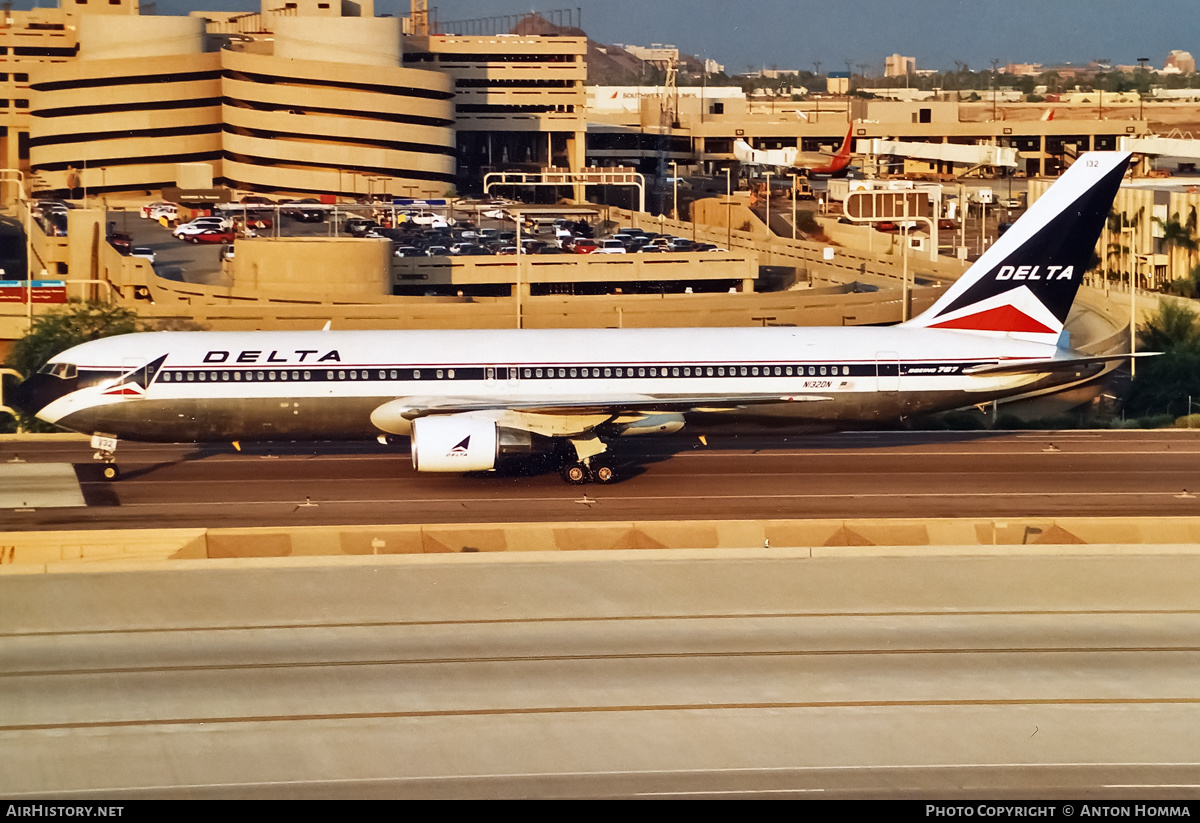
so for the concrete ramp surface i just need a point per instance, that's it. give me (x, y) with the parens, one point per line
(39, 486)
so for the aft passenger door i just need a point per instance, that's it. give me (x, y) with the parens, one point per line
(887, 371)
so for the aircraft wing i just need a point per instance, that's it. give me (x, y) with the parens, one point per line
(586, 412)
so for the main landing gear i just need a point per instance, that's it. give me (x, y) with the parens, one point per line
(106, 450)
(584, 461)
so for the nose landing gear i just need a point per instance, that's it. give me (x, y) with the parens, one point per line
(106, 450)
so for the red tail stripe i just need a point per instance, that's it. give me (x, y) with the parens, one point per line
(1001, 318)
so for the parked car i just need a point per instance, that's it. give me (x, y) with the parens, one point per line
(584, 246)
(201, 224)
(121, 241)
(611, 246)
(259, 220)
(407, 251)
(428, 218)
(305, 210)
(227, 251)
(211, 236)
(164, 211)
(359, 226)
(148, 210)
(145, 252)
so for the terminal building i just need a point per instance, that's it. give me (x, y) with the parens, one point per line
(313, 97)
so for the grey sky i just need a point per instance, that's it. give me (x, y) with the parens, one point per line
(792, 34)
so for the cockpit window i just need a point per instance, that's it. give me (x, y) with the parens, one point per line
(65, 371)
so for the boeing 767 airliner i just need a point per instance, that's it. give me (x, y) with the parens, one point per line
(471, 399)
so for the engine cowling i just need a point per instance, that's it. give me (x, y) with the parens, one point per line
(455, 443)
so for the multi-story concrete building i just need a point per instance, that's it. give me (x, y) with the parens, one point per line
(897, 65)
(325, 97)
(293, 100)
(518, 101)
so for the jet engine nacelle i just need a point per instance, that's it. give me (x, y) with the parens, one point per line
(455, 443)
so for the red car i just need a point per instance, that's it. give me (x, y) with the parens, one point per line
(212, 236)
(584, 246)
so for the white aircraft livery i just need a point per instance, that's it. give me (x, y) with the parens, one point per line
(470, 400)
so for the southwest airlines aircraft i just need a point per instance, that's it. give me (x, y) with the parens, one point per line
(470, 399)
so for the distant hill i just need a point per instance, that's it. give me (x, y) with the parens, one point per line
(608, 65)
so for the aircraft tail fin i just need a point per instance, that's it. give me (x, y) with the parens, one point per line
(1024, 285)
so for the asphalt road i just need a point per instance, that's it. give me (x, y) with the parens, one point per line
(760, 475)
(648, 674)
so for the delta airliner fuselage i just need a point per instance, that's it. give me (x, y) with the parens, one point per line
(468, 399)
(289, 385)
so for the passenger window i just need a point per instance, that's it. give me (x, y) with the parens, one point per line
(743, 371)
(450, 374)
(608, 372)
(537, 372)
(641, 372)
(822, 371)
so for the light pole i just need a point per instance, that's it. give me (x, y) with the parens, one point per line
(1129, 258)
(1141, 99)
(728, 209)
(768, 206)
(793, 208)
(675, 190)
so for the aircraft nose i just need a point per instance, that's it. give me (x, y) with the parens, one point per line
(35, 392)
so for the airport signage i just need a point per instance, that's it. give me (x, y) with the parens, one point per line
(33, 291)
(196, 197)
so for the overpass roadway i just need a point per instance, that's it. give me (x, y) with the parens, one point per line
(755, 673)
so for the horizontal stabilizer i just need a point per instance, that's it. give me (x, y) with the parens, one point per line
(1050, 366)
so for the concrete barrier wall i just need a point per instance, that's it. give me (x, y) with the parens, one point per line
(74, 551)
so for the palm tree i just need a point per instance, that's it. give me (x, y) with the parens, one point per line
(1117, 223)
(1176, 234)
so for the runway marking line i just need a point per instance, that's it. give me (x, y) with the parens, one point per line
(568, 658)
(504, 621)
(548, 710)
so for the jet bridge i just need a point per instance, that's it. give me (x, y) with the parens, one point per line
(1162, 146)
(974, 156)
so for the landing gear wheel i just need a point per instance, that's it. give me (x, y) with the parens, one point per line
(604, 474)
(575, 473)
(111, 472)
